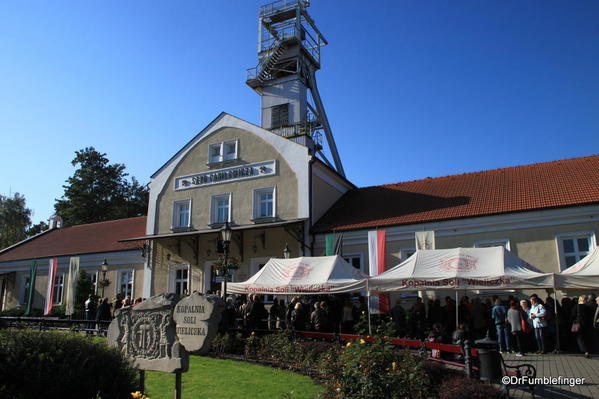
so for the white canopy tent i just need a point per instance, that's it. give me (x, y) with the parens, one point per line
(461, 268)
(456, 269)
(582, 275)
(303, 276)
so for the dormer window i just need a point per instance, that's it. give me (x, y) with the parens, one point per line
(230, 152)
(223, 152)
(216, 153)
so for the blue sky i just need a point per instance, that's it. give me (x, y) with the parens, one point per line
(412, 88)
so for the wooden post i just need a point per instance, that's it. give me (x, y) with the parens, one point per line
(142, 380)
(178, 385)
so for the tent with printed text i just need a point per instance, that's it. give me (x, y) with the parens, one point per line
(584, 274)
(461, 268)
(303, 276)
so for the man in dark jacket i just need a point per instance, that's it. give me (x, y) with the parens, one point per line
(399, 318)
(257, 314)
(320, 318)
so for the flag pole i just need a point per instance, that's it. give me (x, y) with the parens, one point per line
(30, 297)
(368, 307)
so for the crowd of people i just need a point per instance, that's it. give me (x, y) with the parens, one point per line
(518, 325)
(101, 309)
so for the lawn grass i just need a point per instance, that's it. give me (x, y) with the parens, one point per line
(210, 378)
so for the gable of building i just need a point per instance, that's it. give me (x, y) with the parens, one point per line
(261, 160)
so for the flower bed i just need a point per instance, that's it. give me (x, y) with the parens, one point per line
(360, 369)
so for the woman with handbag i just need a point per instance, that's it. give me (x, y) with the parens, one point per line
(582, 325)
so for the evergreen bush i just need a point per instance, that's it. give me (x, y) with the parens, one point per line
(62, 365)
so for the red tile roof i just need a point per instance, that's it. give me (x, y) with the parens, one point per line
(78, 240)
(563, 183)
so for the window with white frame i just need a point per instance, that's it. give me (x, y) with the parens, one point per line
(58, 289)
(264, 203)
(25, 290)
(574, 247)
(215, 153)
(493, 243)
(221, 209)
(125, 283)
(180, 280)
(230, 149)
(223, 151)
(182, 214)
(355, 260)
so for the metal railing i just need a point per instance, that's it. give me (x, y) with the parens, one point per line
(281, 6)
(92, 327)
(289, 31)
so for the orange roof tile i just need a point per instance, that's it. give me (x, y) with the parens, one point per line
(78, 240)
(563, 183)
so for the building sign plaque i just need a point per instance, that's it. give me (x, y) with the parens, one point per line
(197, 317)
(241, 172)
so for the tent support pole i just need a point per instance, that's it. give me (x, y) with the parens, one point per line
(555, 303)
(456, 309)
(368, 307)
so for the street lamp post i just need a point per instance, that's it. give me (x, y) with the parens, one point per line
(225, 234)
(104, 270)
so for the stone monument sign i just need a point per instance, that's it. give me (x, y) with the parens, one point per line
(197, 317)
(147, 334)
(158, 333)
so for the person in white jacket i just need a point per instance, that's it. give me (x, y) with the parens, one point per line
(537, 314)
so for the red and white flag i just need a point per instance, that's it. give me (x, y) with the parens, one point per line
(50, 290)
(377, 259)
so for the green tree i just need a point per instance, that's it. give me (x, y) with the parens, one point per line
(99, 191)
(83, 287)
(36, 229)
(15, 218)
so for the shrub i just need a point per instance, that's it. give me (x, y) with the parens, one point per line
(373, 370)
(14, 312)
(459, 388)
(228, 343)
(61, 365)
(381, 325)
(438, 373)
(282, 349)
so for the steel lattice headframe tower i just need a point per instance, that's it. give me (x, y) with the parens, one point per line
(289, 55)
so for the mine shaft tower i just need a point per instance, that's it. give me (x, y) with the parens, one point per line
(288, 57)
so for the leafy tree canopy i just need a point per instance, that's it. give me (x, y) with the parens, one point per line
(99, 191)
(15, 219)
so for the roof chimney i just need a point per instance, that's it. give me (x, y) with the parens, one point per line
(55, 222)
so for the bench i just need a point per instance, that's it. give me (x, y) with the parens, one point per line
(519, 370)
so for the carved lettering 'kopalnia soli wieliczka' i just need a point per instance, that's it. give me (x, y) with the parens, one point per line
(158, 333)
(147, 334)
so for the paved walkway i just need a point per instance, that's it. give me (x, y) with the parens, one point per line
(560, 365)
